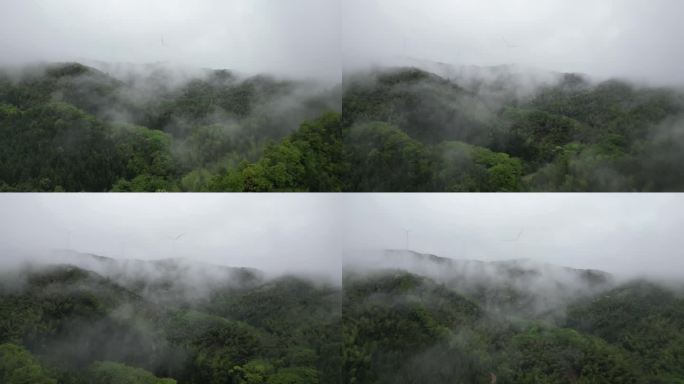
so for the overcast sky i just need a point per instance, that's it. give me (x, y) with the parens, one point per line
(272, 232)
(618, 233)
(641, 39)
(625, 234)
(293, 37)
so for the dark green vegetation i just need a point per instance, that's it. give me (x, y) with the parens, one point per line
(67, 325)
(69, 127)
(401, 327)
(167, 322)
(411, 130)
(73, 128)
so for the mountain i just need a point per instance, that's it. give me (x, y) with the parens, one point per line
(410, 317)
(165, 277)
(71, 127)
(510, 287)
(400, 317)
(509, 129)
(81, 318)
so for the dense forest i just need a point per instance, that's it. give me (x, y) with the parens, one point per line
(435, 325)
(422, 318)
(69, 127)
(497, 130)
(171, 321)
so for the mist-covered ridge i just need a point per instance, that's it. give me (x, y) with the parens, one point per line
(509, 129)
(81, 318)
(149, 128)
(409, 316)
(468, 129)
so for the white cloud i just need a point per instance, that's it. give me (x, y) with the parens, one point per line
(294, 37)
(624, 38)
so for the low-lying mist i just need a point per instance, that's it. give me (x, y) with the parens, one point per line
(521, 287)
(410, 316)
(82, 317)
(509, 129)
(159, 280)
(155, 127)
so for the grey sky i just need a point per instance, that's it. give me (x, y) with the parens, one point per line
(274, 232)
(640, 39)
(294, 37)
(619, 233)
(625, 234)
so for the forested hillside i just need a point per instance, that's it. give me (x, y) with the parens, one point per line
(404, 326)
(139, 322)
(411, 130)
(421, 319)
(69, 127)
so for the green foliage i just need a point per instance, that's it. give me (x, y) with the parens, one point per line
(18, 366)
(475, 169)
(568, 136)
(390, 319)
(384, 327)
(424, 106)
(308, 160)
(643, 319)
(254, 372)
(55, 145)
(146, 151)
(69, 127)
(115, 373)
(383, 158)
(295, 375)
(565, 356)
(536, 136)
(89, 329)
(404, 328)
(198, 179)
(278, 308)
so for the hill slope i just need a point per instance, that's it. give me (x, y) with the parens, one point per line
(69, 127)
(502, 130)
(137, 321)
(410, 317)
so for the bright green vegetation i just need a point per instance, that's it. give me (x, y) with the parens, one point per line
(69, 127)
(403, 328)
(410, 130)
(67, 325)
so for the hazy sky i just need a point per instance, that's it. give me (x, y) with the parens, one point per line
(273, 232)
(641, 39)
(292, 37)
(619, 233)
(636, 38)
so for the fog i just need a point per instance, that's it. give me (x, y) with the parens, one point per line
(277, 233)
(310, 38)
(630, 235)
(298, 38)
(637, 39)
